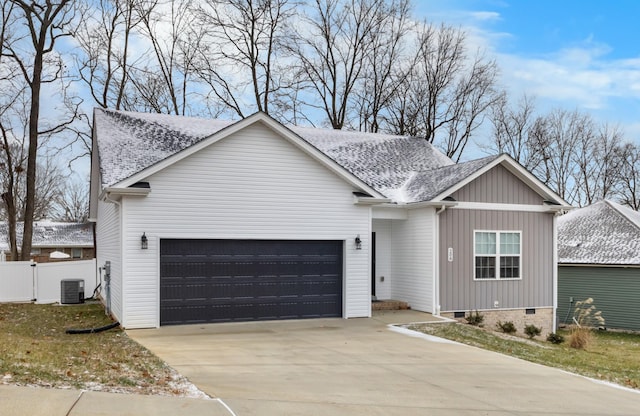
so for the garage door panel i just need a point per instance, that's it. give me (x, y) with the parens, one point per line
(241, 280)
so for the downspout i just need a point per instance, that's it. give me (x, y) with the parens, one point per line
(107, 280)
(436, 259)
(555, 272)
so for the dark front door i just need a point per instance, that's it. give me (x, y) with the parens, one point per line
(244, 280)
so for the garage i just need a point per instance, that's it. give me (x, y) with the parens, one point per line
(206, 281)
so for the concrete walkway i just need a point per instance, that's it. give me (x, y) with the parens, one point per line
(32, 401)
(361, 367)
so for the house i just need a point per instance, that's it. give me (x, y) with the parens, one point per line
(599, 258)
(213, 221)
(68, 241)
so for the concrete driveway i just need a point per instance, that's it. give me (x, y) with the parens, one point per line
(361, 367)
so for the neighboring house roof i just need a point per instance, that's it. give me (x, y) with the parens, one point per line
(604, 233)
(402, 168)
(51, 234)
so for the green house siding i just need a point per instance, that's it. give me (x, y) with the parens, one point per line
(615, 292)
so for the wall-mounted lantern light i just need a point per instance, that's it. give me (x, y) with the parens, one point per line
(144, 242)
(358, 243)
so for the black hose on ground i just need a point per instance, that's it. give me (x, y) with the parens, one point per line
(93, 330)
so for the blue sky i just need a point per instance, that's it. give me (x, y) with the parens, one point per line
(572, 54)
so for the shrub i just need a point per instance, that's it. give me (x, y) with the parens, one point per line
(580, 338)
(585, 314)
(506, 327)
(475, 318)
(555, 338)
(532, 331)
(586, 317)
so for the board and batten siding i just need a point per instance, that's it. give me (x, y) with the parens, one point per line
(615, 292)
(382, 228)
(108, 248)
(498, 185)
(251, 185)
(412, 253)
(458, 289)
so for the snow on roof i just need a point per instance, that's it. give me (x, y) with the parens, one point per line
(51, 234)
(406, 169)
(426, 185)
(602, 233)
(130, 142)
(385, 162)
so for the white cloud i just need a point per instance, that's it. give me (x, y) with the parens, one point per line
(582, 76)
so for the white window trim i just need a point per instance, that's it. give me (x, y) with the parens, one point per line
(497, 255)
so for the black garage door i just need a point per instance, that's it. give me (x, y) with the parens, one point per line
(245, 280)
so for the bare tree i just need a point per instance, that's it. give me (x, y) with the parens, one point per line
(163, 83)
(104, 57)
(42, 24)
(385, 68)
(49, 179)
(628, 185)
(563, 139)
(72, 203)
(11, 92)
(238, 57)
(511, 130)
(598, 158)
(331, 46)
(449, 92)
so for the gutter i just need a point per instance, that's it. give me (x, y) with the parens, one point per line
(369, 200)
(106, 194)
(436, 204)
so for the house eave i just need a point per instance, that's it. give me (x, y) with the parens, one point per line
(433, 204)
(370, 200)
(114, 193)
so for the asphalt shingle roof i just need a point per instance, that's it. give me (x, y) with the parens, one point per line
(602, 233)
(405, 169)
(51, 234)
(426, 185)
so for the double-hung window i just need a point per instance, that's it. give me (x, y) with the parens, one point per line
(497, 255)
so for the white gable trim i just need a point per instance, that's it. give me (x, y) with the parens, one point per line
(272, 124)
(515, 168)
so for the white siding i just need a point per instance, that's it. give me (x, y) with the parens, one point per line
(382, 228)
(251, 185)
(108, 247)
(412, 267)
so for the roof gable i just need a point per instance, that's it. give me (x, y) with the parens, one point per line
(440, 183)
(498, 185)
(601, 233)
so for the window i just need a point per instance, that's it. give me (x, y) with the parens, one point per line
(76, 253)
(497, 254)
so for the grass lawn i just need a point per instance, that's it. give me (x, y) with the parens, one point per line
(35, 350)
(613, 356)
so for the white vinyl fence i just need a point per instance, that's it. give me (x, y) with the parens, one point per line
(23, 281)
